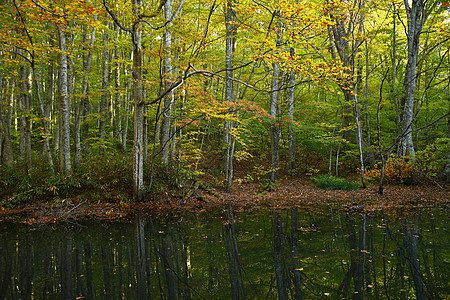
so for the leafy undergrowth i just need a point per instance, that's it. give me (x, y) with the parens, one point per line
(329, 182)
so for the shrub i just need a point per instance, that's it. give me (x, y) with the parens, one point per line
(329, 182)
(396, 170)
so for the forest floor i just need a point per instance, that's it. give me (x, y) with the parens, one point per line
(290, 192)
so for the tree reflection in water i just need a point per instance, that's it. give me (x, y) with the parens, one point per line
(277, 254)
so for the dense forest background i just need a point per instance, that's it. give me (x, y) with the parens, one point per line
(153, 95)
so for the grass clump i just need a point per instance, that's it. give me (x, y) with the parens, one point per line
(329, 182)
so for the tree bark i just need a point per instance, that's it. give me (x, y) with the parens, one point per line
(64, 109)
(447, 166)
(274, 127)
(105, 93)
(81, 110)
(415, 16)
(168, 77)
(117, 123)
(138, 147)
(7, 156)
(25, 118)
(291, 136)
(228, 139)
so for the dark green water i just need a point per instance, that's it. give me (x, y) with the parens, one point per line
(292, 254)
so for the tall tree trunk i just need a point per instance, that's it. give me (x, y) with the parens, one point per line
(105, 93)
(168, 77)
(127, 105)
(394, 70)
(64, 109)
(138, 147)
(342, 35)
(274, 127)
(25, 118)
(81, 112)
(291, 136)
(116, 105)
(45, 124)
(228, 139)
(447, 166)
(415, 11)
(6, 154)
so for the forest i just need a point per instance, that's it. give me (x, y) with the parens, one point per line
(130, 98)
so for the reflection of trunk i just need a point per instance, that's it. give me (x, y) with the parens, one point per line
(278, 248)
(372, 260)
(167, 257)
(298, 294)
(6, 270)
(26, 269)
(237, 287)
(411, 252)
(81, 290)
(66, 269)
(185, 256)
(356, 270)
(107, 272)
(49, 270)
(120, 273)
(140, 259)
(131, 275)
(89, 271)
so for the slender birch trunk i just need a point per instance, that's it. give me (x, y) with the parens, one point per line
(168, 77)
(138, 149)
(64, 110)
(291, 136)
(6, 154)
(80, 111)
(228, 139)
(45, 124)
(446, 172)
(117, 123)
(105, 93)
(25, 118)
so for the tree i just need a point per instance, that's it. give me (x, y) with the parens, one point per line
(168, 74)
(64, 109)
(416, 16)
(230, 48)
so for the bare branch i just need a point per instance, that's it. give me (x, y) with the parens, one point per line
(115, 18)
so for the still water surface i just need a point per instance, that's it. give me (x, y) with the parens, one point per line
(325, 253)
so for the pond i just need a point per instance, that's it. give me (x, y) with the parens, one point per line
(322, 253)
